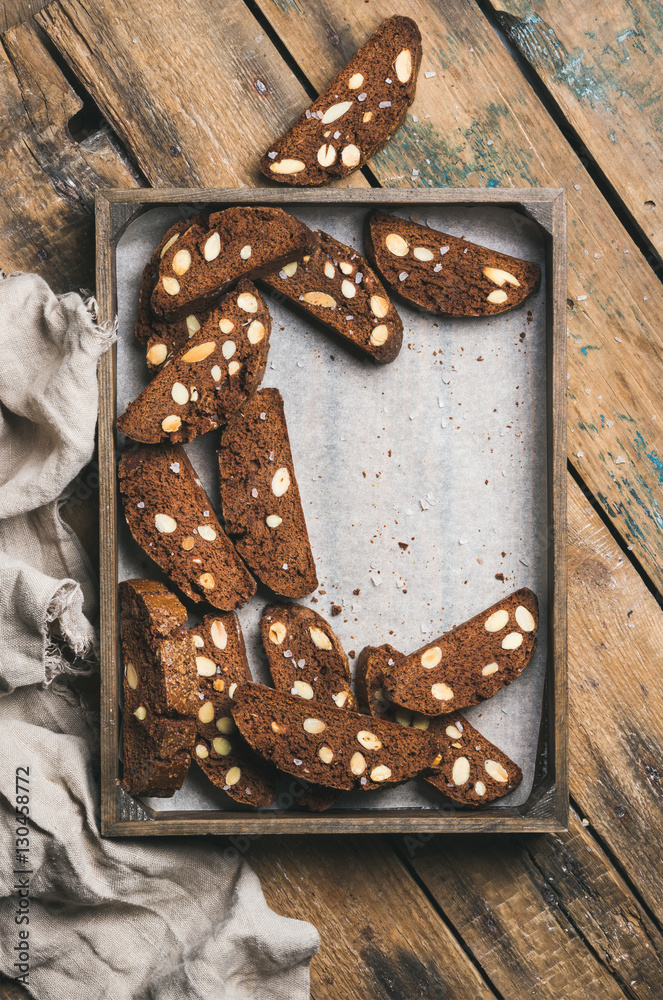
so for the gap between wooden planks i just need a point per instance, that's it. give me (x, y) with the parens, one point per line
(47, 180)
(478, 122)
(603, 65)
(624, 637)
(542, 916)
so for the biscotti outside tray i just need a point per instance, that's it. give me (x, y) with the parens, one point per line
(385, 455)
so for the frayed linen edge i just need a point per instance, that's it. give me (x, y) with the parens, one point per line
(82, 645)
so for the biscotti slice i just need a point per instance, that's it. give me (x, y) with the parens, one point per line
(220, 751)
(305, 656)
(307, 659)
(472, 771)
(143, 771)
(327, 745)
(158, 654)
(207, 380)
(239, 242)
(163, 337)
(369, 678)
(443, 274)
(145, 318)
(358, 112)
(159, 688)
(336, 285)
(469, 664)
(171, 518)
(262, 509)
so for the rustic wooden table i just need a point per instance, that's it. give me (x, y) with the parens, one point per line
(125, 93)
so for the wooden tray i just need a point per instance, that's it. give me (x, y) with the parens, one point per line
(546, 809)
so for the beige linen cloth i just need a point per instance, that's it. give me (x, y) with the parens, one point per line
(166, 919)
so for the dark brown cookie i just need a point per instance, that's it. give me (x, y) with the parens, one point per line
(163, 337)
(216, 370)
(221, 752)
(238, 242)
(159, 689)
(336, 285)
(262, 508)
(327, 745)
(469, 664)
(307, 659)
(443, 274)
(171, 518)
(305, 656)
(357, 113)
(472, 771)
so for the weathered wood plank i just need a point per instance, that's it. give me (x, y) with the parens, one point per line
(601, 907)
(616, 729)
(603, 67)
(380, 936)
(9, 990)
(211, 88)
(13, 12)
(478, 123)
(616, 701)
(47, 180)
(529, 907)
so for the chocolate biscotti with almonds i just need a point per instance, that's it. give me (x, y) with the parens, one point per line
(220, 751)
(356, 114)
(262, 508)
(327, 745)
(307, 659)
(159, 689)
(171, 518)
(472, 770)
(443, 274)
(163, 337)
(305, 656)
(240, 242)
(205, 382)
(336, 285)
(470, 663)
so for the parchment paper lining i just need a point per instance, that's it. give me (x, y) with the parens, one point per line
(443, 451)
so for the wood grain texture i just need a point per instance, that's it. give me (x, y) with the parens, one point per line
(47, 180)
(545, 917)
(13, 12)
(616, 701)
(498, 894)
(9, 990)
(380, 936)
(477, 122)
(194, 95)
(603, 67)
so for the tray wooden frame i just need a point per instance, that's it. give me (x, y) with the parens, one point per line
(547, 809)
